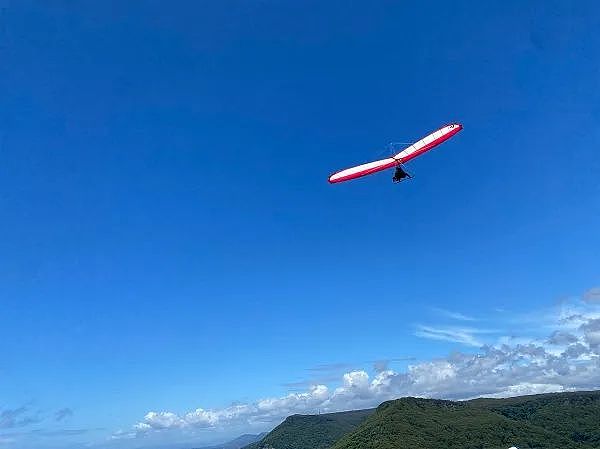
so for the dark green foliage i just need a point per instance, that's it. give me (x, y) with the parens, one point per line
(575, 416)
(566, 421)
(311, 431)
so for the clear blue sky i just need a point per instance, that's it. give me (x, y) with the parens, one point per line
(168, 239)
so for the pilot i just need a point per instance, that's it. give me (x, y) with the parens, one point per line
(400, 174)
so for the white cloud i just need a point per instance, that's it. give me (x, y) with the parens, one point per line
(463, 335)
(529, 388)
(161, 420)
(567, 358)
(453, 315)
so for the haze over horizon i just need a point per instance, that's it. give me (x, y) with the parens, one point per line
(176, 269)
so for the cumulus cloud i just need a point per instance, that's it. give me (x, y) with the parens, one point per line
(567, 358)
(263, 411)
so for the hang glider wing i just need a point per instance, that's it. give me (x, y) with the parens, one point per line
(363, 170)
(412, 151)
(428, 142)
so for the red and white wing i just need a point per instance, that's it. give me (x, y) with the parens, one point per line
(414, 150)
(363, 170)
(428, 142)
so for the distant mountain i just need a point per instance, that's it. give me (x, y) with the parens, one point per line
(549, 421)
(311, 431)
(242, 441)
(238, 442)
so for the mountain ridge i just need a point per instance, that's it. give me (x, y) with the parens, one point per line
(311, 431)
(545, 421)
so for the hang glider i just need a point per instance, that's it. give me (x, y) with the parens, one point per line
(411, 152)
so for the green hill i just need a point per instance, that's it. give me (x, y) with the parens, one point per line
(575, 416)
(311, 431)
(565, 420)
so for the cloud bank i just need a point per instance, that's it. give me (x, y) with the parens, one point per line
(567, 358)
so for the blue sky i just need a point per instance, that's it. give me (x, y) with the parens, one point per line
(168, 237)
